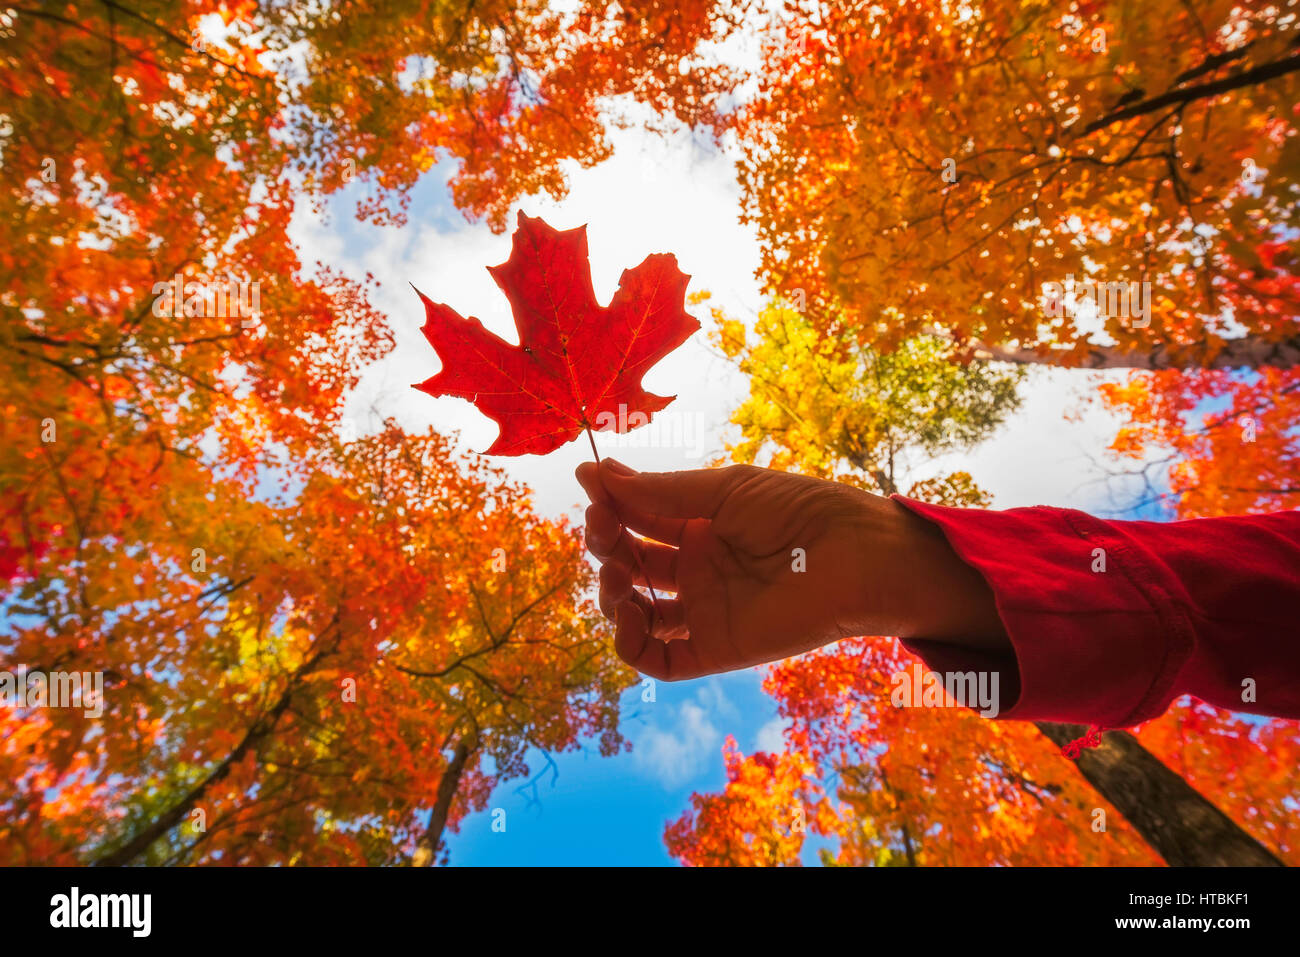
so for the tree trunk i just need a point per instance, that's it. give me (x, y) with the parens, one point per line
(260, 730)
(426, 852)
(173, 816)
(1172, 816)
(1247, 352)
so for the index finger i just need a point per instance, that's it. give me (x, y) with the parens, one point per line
(662, 529)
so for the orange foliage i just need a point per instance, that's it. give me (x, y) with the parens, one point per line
(921, 165)
(296, 636)
(759, 820)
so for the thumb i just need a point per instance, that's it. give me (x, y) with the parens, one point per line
(695, 493)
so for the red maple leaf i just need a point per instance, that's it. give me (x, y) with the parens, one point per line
(578, 364)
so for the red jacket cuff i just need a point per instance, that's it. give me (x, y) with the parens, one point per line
(1097, 637)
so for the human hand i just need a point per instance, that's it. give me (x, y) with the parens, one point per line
(765, 565)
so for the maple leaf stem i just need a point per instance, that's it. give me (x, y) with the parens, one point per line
(654, 599)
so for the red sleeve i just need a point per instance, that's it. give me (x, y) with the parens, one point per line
(1194, 607)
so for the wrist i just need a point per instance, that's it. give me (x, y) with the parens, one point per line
(945, 599)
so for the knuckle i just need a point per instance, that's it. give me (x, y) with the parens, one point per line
(737, 475)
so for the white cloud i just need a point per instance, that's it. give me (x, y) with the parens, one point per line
(1050, 452)
(710, 694)
(687, 744)
(771, 737)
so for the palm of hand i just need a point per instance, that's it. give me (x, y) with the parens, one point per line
(771, 572)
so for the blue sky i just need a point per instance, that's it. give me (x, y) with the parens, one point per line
(613, 810)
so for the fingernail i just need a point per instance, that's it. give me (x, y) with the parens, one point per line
(618, 468)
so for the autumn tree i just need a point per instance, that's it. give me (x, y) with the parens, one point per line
(512, 90)
(925, 166)
(349, 672)
(507, 641)
(921, 785)
(1210, 442)
(838, 410)
(759, 820)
